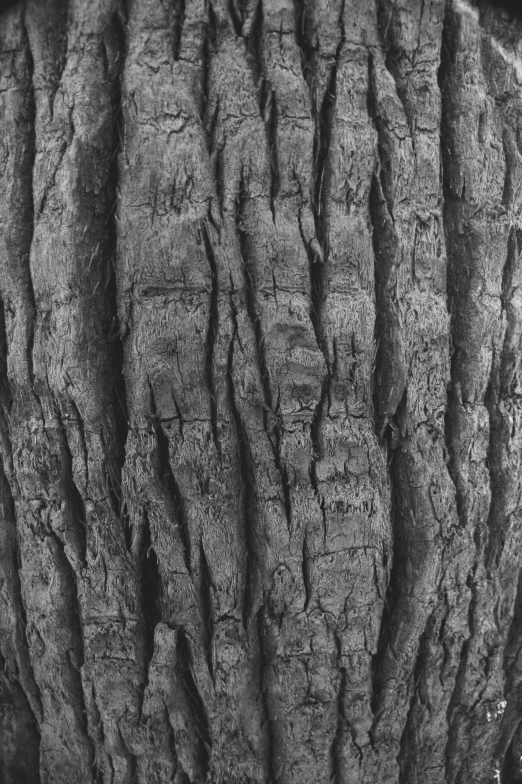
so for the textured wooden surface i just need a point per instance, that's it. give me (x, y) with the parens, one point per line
(260, 392)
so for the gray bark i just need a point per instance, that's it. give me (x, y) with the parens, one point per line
(260, 392)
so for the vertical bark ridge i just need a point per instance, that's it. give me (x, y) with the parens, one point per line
(42, 561)
(252, 594)
(412, 371)
(278, 48)
(355, 501)
(75, 386)
(478, 215)
(213, 322)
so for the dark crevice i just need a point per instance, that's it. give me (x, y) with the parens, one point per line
(318, 261)
(253, 28)
(306, 50)
(167, 481)
(150, 589)
(74, 534)
(396, 587)
(76, 627)
(11, 553)
(264, 663)
(317, 445)
(126, 528)
(114, 336)
(205, 81)
(252, 307)
(394, 55)
(389, 413)
(15, 710)
(6, 401)
(196, 703)
(449, 439)
(498, 481)
(512, 6)
(306, 568)
(206, 598)
(324, 119)
(179, 22)
(25, 172)
(283, 471)
(511, 771)
(212, 332)
(336, 751)
(248, 484)
(234, 10)
(390, 376)
(271, 121)
(212, 28)
(322, 141)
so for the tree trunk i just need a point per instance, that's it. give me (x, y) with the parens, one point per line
(260, 392)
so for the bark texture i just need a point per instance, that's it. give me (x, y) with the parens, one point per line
(260, 392)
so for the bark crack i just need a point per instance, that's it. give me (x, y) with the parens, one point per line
(212, 332)
(171, 491)
(252, 587)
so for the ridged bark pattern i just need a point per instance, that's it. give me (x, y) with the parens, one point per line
(260, 392)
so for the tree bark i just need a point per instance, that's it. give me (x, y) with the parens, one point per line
(260, 392)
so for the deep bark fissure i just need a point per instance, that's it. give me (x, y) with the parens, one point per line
(27, 678)
(254, 43)
(25, 768)
(261, 617)
(167, 481)
(307, 577)
(392, 594)
(511, 772)
(179, 23)
(71, 493)
(252, 305)
(30, 217)
(206, 597)
(317, 449)
(271, 132)
(249, 490)
(196, 702)
(212, 332)
(236, 18)
(150, 590)
(409, 727)
(324, 122)
(306, 50)
(76, 628)
(342, 727)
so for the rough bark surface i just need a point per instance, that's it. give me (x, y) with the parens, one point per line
(260, 392)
